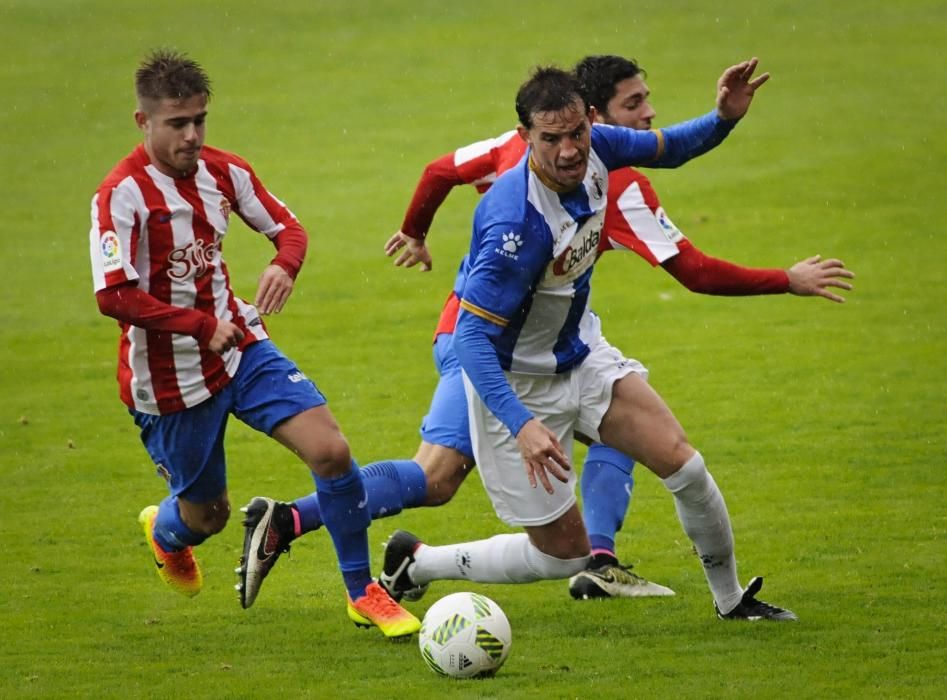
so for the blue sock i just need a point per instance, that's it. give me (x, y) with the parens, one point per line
(344, 506)
(170, 532)
(310, 517)
(606, 492)
(391, 487)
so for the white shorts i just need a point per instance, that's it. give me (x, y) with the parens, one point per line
(575, 401)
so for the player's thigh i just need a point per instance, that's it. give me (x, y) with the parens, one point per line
(639, 423)
(500, 462)
(269, 388)
(276, 398)
(446, 423)
(187, 448)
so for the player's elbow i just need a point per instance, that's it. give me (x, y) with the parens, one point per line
(108, 302)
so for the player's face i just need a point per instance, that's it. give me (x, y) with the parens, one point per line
(560, 143)
(174, 132)
(629, 106)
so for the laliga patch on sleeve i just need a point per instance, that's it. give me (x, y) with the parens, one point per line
(111, 251)
(668, 228)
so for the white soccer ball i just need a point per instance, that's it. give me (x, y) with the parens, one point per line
(465, 635)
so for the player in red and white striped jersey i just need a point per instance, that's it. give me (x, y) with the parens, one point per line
(156, 244)
(191, 352)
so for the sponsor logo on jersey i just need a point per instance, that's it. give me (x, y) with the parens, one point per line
(193, 260)
(512, 242)
(578, 256)
(668, 228)
(111, 251)
(296, 377)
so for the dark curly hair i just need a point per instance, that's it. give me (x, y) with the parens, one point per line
(598, 75)
(549, 89)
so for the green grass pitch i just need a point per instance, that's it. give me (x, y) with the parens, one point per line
(823, 424)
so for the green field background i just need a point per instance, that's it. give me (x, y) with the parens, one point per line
(824, 424)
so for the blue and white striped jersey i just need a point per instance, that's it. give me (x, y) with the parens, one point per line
(526, 280)
(530, 262)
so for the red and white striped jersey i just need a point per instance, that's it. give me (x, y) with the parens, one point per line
(481, 163)
(635, 219)
(478, 164)
(166, 235)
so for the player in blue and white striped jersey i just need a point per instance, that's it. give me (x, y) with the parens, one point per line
(538, 371)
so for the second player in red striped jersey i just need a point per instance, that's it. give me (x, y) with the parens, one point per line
(191, 352)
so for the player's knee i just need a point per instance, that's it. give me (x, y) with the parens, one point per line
(444, 481)
(444, 470)
(547, 566)
(333, 458)
(678, 453)
(691, 477)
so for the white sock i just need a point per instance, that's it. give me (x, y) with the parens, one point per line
(703, 514)
(499, 559)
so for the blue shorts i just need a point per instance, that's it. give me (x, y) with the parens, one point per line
(446, 422)
(188, 446)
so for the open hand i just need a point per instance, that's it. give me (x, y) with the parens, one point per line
(736, 88)
(812, 276)
(542, 454)
(273, 290)
(414, 251)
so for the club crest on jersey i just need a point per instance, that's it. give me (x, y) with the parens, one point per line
(225, 208)
(512, 242)
(111, 251)
(597, 184)
(193, 259)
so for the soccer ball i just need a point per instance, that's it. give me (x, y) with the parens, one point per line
(465, 635)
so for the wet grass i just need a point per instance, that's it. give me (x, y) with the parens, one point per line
(823, 424)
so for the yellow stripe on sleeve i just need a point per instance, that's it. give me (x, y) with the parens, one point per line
(660, 135)
(483, 313)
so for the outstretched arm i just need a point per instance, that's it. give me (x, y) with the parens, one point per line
(673, 146)
(708, 275)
